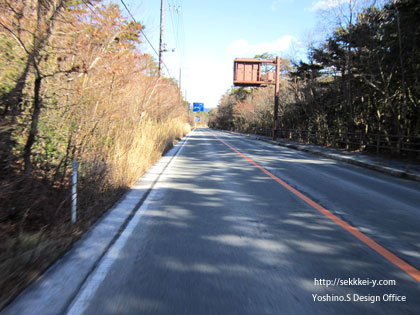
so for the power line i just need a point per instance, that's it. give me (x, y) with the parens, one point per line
(175, 10)
(134, 20)
(171, 11)
(182, 31)
(89, 6)
(132, 17)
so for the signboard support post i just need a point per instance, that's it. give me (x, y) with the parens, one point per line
(276, 99)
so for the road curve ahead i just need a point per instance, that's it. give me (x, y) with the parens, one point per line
(238, 226)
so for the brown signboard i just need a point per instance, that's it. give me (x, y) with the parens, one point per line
(248, 72)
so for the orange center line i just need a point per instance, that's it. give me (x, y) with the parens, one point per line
(404, 266)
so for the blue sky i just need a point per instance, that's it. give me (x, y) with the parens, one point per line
(208, 35)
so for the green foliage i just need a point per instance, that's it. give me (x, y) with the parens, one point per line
(364, 78)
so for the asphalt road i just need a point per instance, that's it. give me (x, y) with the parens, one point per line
(220, 235)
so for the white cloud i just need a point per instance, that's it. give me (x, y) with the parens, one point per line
(207, 82)
(243, 48)
(327, 4)
(276, 3)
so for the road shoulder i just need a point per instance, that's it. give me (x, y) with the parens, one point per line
(383, 165)
(53, 292)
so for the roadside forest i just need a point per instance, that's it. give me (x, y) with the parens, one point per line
(358, 89)
(75, 86)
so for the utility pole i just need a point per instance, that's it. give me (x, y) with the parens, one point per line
(188, 106)
(161, 48)
(180, 88)
(180, 79)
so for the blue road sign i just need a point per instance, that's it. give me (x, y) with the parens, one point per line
(197, 119)
(198, 107)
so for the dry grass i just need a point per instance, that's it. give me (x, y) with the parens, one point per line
(28, 245)
(111, 112)
(132, 157)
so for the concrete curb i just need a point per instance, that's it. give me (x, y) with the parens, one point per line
(53, 292)
(383, 169)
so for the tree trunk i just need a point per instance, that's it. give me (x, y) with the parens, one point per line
(34, 125)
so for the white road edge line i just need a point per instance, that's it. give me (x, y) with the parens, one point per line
(81, 302)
